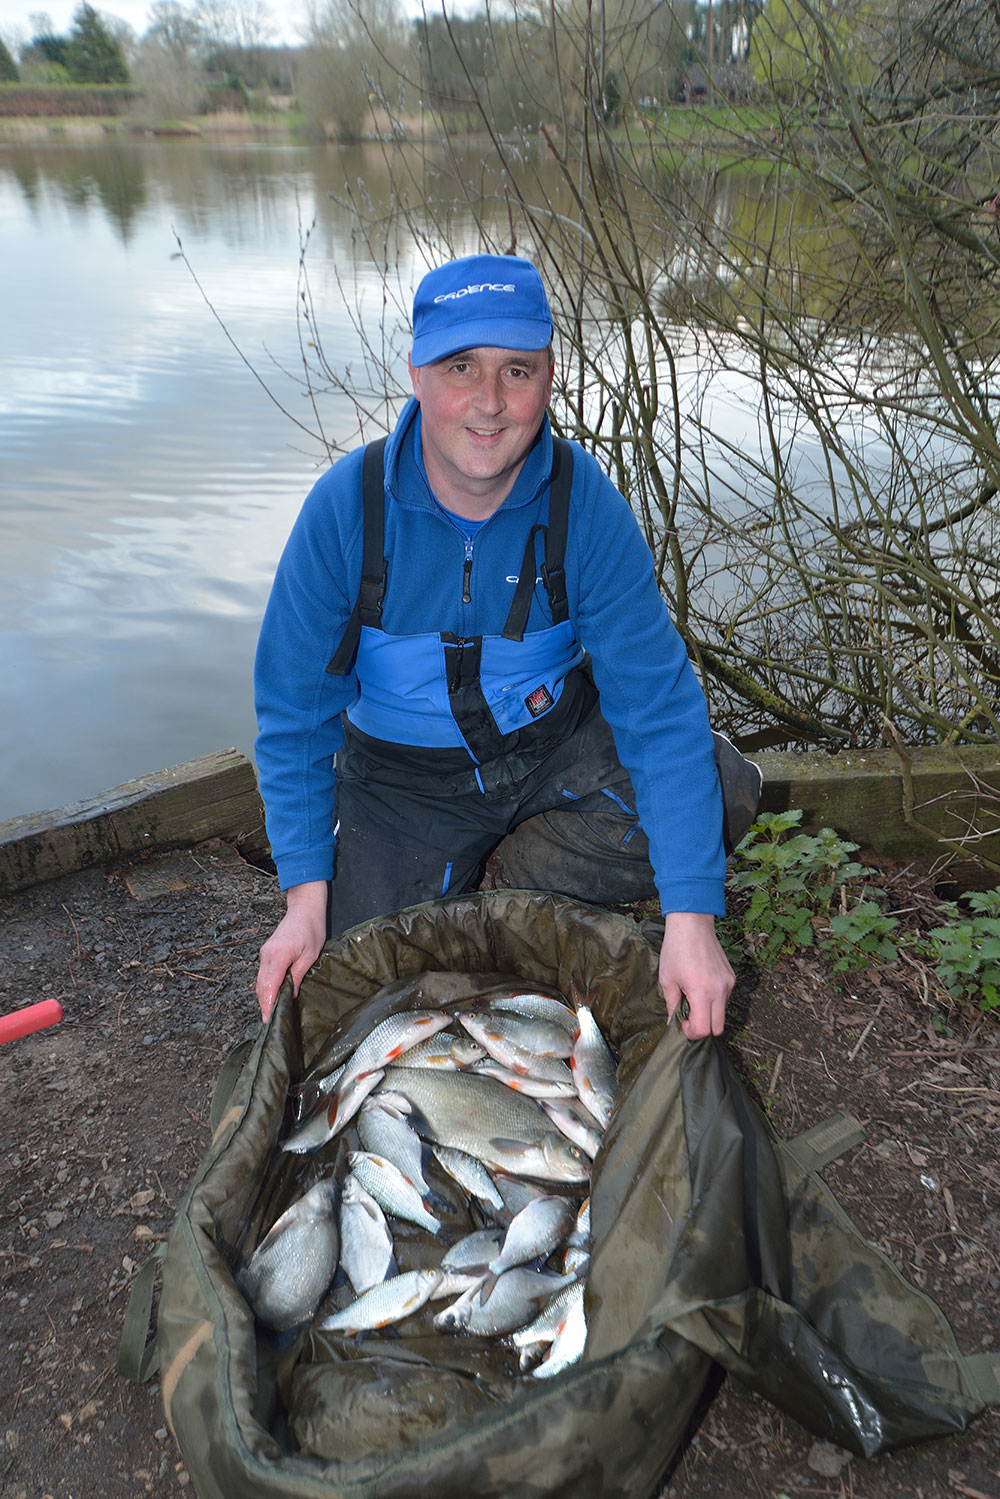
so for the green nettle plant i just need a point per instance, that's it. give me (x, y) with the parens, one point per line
(807, 891)
(966, 952)
(793, 883)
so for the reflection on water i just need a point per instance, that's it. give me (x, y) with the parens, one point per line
(146, 481)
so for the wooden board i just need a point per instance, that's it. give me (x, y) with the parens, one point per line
(214, 796)
(862, 795)
(865, 795)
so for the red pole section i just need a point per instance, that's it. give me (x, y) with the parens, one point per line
(31, 1018)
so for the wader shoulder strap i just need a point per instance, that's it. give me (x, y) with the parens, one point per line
(368, 605)
(553, 573)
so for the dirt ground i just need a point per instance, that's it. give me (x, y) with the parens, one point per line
(104, 1119)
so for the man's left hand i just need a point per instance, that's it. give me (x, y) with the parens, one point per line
(694, 966)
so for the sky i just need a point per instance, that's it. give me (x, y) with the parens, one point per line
(16, 22)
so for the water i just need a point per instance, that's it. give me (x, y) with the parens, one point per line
(147, 482)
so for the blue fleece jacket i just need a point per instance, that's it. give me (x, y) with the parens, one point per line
(649, 693)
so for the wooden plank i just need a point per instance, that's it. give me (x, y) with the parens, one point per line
(214, 796)
(862, 795)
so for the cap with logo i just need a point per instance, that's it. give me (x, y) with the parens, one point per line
(480, 301)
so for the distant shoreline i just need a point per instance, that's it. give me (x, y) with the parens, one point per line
(74, 130)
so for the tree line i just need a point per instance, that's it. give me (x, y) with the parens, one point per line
(356, 54)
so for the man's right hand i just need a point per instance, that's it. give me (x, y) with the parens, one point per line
(294, 945)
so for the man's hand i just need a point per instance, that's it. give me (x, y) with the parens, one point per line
(294, 945)
(693, 965)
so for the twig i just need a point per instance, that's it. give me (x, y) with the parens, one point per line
(865, 1033)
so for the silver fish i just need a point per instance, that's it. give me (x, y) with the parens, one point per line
(436, 1051)
(391, 1038)
(544, 1038)
(389, 1302)
(383, 1130)
(288, 1273)
(569, 1342)
(574, 1121)
(575, 1260)
(498, 1126)
(344, 1104)
(515, 1299)
(534, 1233)
(593, 1068)
(549, 1322)
(550, 1319)
(580, 1237)
(391, 1190)
(366, 1250)
(474, 1252)
(497, 1035)
(536, 1007)
(561, 1086)
(470, 1174)
(466, 1051)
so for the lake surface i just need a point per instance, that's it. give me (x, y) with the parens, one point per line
(147, 481)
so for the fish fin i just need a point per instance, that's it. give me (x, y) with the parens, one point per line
(435, 1203)
(487, 1287)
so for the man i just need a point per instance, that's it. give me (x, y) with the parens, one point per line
(465, 646)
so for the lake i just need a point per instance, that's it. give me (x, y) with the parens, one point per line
(147, 481)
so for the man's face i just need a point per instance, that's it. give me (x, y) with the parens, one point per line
(480, 413)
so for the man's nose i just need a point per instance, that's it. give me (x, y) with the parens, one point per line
(490, 395)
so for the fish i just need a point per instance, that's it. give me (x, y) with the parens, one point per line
(288, 1273)
(569, 1342)
(390, 1039)
(389, 1302)
(574, 1121)
(548, 1324)
(491, 1122)
(470, 1174)
(536, 1231)
(536, 1007)
(391, 1190)
(532, 1087)
(466, 1051)
(515, 1299)
(498, 1035)
(580, 1237)
(383, 1130)
(342, 1107)
(593, 1068)
(436, 1051)
(544, 1038)
(474, 1252)
(366, 1247)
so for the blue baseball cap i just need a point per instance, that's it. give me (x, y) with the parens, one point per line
(480, 301)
